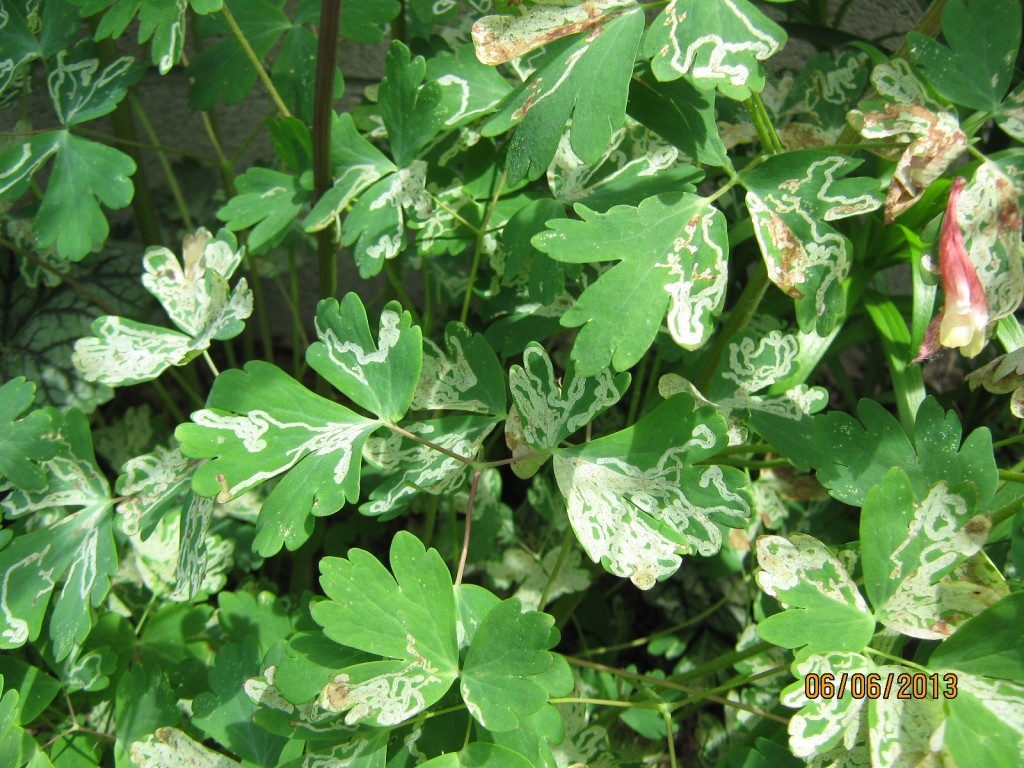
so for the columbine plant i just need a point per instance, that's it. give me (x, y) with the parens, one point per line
(627, 458)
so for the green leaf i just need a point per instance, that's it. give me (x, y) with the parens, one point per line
(466, 377)
(672, 252)
(357, 164)
(376, 224)
(827, 612)
(791, 197)
(551, 410)
(470, 89)
(223, 70)
(295, 68)
(637, 499)
(851, 457)
(171, 748)
(718, 45)
(985, 722)
(20, 162)
(410, 108)
(26, 440)
(18, 44)
(84, 175)
(509, 671)
(412, 467)
(269, 201)
(408, 619)
(909, 546)
(77, 548)
(144, 702)
(80, 91)
(983, 38)
(35, 688)
(585, 78)
(226, 713)
(381, 375)
(479, 755)
(680, 113)
(262, 423)
(1011, 114)
(368, 22)
(196, 296)
(987, 645)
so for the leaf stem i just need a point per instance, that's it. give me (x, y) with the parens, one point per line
(1011, 477)
(165, 165)
(480, 246)
(666, 715)
(1006, 511)
(469, 525)
(604, 702)
(209, 363)
(566, 543)
(255, 60)
(323, 91)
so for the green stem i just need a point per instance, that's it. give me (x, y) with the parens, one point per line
(566, 543)
(403, 295)
(326, 65)
(666, 715)
(469, 527)
(604, 702)
(638, 385)
(745, 308)
(150, 145)
(165, 165)
(255, 60)
(1006, 512)
(1011, 477)
(480, 247)
(773, 137)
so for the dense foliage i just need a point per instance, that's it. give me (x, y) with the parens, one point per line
(587, 394)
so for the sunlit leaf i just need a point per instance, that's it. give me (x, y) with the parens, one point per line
(26, 440)
(638, 500)
(718, 45)
(791, 199)
(672, 254)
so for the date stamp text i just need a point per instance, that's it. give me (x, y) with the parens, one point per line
(859, 685)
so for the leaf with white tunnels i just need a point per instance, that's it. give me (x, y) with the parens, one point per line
(638, 500)
(150, 485)
(380, 375)
(412, 467)
(171, 748)
(465, 377)
(791, 199)
(826, 611)
(77, 549)
(551, 410)
(584, 78)
(499, 39)
(672, 253)
(718, 45)
(935, 142)
(990, 219)
(196, 296)
(408, 619)
(261, 423)
(908, 549)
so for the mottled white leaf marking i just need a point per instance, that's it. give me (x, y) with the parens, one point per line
(698, 292)
(499, 39)
(170, 748)
(251, 428)
(823, 723)
(801, 559)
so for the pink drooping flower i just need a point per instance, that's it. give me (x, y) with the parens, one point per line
(964, 317)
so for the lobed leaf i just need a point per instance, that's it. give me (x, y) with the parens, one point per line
(672, 253)
(827, 612)
(791, 198)
(550, 411)
(585, 78)
(717, 45)
(909, 546)
(637, 499)
(26, 440)
(466, 377)
(381, 375)
(261, 423)
(408, 619)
